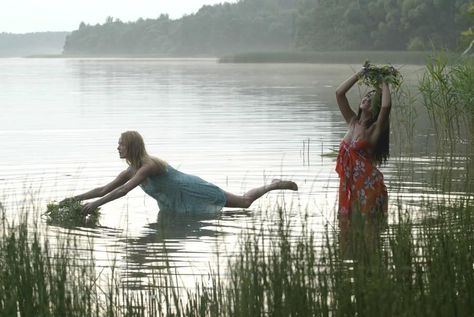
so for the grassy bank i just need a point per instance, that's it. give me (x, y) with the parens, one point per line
(332, 57)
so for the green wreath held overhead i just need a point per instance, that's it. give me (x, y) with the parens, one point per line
(374, 75)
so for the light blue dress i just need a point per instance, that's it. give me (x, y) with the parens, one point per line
(183, 193)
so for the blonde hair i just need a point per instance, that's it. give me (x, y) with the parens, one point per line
(136, 152)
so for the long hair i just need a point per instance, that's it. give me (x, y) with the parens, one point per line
(381, 151)
(136, 151)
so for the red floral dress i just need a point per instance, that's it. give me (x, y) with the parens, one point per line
(361, 184)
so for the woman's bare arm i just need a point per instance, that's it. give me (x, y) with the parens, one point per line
(121, 179)
(383, 119)
(341, 98)
(120, 191)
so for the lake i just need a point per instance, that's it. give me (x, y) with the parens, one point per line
(235, 125)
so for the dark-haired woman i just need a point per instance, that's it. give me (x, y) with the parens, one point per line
(365, 145)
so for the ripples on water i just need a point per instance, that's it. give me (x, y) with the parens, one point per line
(234, 125)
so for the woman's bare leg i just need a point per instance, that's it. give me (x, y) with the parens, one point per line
(249, 197)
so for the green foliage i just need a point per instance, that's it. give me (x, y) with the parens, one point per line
(68, 213)
(374, 75)
(380, 24)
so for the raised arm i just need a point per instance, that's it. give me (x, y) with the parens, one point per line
(121, 179)
(123, 189)
(341, 98)
(382, 121)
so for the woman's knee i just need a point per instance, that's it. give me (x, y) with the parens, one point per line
(237, 201)
(246, 202)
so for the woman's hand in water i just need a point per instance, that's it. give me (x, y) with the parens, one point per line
(89, 208)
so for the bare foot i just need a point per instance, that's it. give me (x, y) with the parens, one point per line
(279, 184)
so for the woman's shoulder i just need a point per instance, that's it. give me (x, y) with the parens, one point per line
(149, 168)
(353, 120)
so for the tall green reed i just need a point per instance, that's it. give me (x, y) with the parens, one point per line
(373, 270)
(35, 281)
(403, 134)
(448, 97)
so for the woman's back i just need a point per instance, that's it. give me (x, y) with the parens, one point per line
(184, 193)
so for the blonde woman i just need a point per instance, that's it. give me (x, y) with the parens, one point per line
(173, 190)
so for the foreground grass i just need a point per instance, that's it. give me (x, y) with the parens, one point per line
(407, 269)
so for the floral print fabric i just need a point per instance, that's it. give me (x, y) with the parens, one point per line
(361, 184)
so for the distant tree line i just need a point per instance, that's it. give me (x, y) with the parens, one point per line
(249, 25)
(31, 43)
(284, 25)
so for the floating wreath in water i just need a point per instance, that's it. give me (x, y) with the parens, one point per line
(68, 213)
(373, 75)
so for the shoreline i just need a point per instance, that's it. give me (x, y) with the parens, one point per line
(337, 57)
(328, 57)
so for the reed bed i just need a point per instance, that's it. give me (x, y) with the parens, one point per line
(367, 269)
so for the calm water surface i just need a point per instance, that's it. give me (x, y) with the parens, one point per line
(237, 126)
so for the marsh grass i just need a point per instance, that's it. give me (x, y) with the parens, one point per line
(404, 118)
(366, 269)
(448, 97)
(36, 281)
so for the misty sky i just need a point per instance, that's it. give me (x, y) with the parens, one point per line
(22, 16)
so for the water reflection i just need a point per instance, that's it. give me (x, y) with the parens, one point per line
(177, 243)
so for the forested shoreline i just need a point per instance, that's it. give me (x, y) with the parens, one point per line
(248, 25)
(264, 26)
(282, 25)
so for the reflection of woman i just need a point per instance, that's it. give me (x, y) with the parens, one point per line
(174, 191)
(365, 145)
